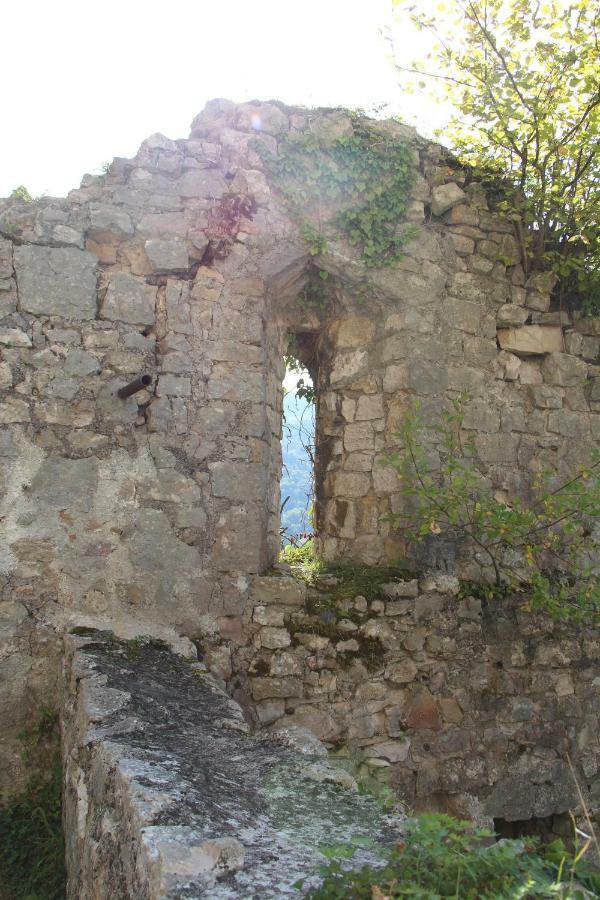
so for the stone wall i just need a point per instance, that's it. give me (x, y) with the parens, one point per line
(458, 703)
(151, 514)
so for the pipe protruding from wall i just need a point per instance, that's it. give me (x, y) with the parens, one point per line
(138, 384)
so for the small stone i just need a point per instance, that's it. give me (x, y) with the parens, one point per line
(401, 672)
(360, 604)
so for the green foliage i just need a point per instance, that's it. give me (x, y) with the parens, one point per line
(302, 557)
(442, 857)
(524, 80)
(368, 174)
(21, 193)
(31, 838)
(293, 364)
(544, 546)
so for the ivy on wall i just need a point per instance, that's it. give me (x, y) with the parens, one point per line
(368, 174)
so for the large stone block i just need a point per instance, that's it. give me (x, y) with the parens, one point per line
(129, 299)
(56, 281)
(531, 340)
(564, 370)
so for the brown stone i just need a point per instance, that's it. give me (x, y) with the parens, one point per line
(423, 712)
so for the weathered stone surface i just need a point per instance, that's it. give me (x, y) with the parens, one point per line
(129, 299)
(564, 370)
(445, 196)
(167, 256)
(56, 281)
(283, 796)
(529, 340)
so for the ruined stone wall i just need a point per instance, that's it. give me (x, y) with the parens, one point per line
(460, 704)
(150, 514)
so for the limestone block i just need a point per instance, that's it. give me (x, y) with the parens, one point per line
(358, 437)
(79, 363)
(279, 589)
(238, 480)
(464, 246)
(563, 370)
(201, 183)
(14, 337)
(401, 671)
(395, 378)
(355, 332)
(511, 315)
(539, 302)
(174, 386)
(348, 365)
(396, 589)
(268, 615)
(464, 315)
(112, 219)
(129, 299)
(56, 281)
(167, 256)
(369, 407)
(462, 215)
(276, 688)
(546, 397)
(274, 638)
(351, 484)
(530, 340)
(393, 751)
(445, 196)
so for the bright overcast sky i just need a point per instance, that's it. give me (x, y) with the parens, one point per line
(84, 82)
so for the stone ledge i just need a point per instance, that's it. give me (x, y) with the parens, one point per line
(167, 796)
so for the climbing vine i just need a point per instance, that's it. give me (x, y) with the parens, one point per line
(368, 173)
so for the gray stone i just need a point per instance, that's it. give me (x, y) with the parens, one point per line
(563, 370)
(531, 340)
(445, 196)
(56, 281)
(167, 256)
(129, 299)
(111, 220)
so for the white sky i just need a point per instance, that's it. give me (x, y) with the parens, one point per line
(86, 82)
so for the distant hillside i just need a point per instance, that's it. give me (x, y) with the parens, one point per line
(298, 429)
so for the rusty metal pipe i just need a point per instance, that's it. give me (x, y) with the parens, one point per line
(141, 382)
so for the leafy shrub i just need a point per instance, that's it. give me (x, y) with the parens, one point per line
(544, 546)
(442, 857)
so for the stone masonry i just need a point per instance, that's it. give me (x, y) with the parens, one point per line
(156, 514)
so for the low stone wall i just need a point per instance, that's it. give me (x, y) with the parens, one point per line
(167, 796)
(469, 705)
